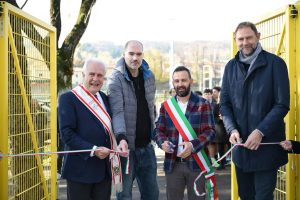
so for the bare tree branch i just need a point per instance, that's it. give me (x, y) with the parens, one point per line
(24, 4)
(65, 54)
(79, 28)
(55, 17)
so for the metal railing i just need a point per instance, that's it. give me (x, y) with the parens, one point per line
(27, 105)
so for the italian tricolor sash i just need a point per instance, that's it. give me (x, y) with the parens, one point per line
(90, 101)
(188, 133)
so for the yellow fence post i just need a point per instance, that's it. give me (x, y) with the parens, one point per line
(27, 105)
(53, 125)
(297, 85)
(3, 102)
(290, 59)
(234, 187)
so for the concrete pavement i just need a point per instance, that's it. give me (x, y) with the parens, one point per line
(222, 177)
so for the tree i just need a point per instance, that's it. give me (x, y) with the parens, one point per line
(16, 106)
(65, 53)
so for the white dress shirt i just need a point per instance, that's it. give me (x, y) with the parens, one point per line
(99, 98)
(183, 107)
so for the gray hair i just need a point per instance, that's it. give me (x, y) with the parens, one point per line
(90, 61)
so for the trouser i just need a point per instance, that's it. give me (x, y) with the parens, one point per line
(89, 191)
(221, 150)
(258, 185)
(143, 167)
(181, 177)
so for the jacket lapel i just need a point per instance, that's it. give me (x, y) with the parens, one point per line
(259, 62)
(191, 104)
(105, 101)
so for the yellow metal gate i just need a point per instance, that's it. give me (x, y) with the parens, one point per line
(27, 105)
(280, 34)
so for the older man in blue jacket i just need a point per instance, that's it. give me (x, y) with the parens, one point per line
(254, 101)
(88, 174)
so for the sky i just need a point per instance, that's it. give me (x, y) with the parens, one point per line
(158, 20)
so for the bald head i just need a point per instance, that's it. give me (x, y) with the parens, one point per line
(133, 56)
(133, 42)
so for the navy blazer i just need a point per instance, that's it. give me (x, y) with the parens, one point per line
(80, 129)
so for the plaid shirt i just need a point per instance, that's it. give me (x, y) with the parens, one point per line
(200, 116)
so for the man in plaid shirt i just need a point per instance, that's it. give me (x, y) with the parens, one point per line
(179, 165)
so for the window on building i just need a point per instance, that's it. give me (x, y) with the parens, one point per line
(206, 84)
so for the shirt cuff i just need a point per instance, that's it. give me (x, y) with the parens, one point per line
(93, 151)
(121, 137)
(260, 133)
(193, 150)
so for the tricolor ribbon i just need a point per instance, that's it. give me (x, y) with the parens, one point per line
(240, 144)
(58, 152)
(188, 133)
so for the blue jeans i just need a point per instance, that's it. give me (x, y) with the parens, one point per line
(143, 167)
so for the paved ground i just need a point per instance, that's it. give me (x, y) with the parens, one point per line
(222, 176)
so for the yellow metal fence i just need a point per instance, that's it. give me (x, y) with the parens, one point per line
(280, 34)
(27, 105)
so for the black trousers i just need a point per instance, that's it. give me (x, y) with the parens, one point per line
(258, 185)
(89, 191)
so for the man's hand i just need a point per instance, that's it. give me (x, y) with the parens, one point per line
(168, 147)
(187, 150)
(123, 147)
(102, 152)
(235, 137)
(286, 145)
(253, 140)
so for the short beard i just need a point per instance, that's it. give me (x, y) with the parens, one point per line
(183, 93)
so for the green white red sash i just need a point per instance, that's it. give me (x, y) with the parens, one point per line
(188, 133)
(90, 101)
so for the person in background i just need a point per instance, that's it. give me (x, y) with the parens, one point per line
(255, 98)
(221, 135)
(131, 92)
(216, 93)
(88, 174)
(172, 92)
(179, 165)
(207, 94)
(212, 147)
(291, 146)
(199, 93)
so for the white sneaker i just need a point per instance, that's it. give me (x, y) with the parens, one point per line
(214, 163)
